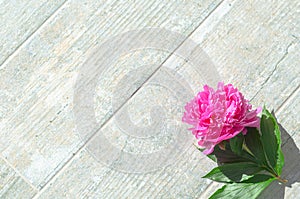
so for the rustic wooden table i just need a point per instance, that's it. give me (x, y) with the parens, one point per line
(47, 151)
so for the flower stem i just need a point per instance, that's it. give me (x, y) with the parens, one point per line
(284, 181)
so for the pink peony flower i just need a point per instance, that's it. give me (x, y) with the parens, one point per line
(219, 115)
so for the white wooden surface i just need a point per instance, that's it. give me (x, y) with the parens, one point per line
(20, 20)
(254, 45)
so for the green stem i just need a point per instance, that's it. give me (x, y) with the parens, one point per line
(284, 181)
(266, 167)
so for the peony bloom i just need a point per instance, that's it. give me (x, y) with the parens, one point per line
(219, 115)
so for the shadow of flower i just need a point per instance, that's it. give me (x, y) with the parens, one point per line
(290, 170)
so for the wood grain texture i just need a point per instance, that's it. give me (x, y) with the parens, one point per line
(251, 42)
(225, 47)
(257, 51)
(288, 117)
(19, 20)
(99, 181)
(12, 185)
(254, 45)
(37, 84)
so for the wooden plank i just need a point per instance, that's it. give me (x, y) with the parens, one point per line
(228, 45)
(99, 181)
(278, 85)
(12, 185)
(251, 47)
(289, 119)
(288, 115)
(260, 57)
(19, 20)
(37, 84)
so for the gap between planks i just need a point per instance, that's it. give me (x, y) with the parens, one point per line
(69, 161)
(7, 59)
(31, 35)
(19, 174)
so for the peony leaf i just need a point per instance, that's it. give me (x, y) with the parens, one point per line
(234, 172)
(210, 156)
(253, 143)
(227, 156)
(259, 178)
(236, 144)
(218, 192)
(280, 162)
(271, 141)
(244, 190)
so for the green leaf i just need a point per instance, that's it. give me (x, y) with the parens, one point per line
(259, 178)
(253, 142)
(218, 192)
(236, 144)
(227, 156)
(210, 156)
(280, 162)
(233, 172)
(241, 190)
(271, 141)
